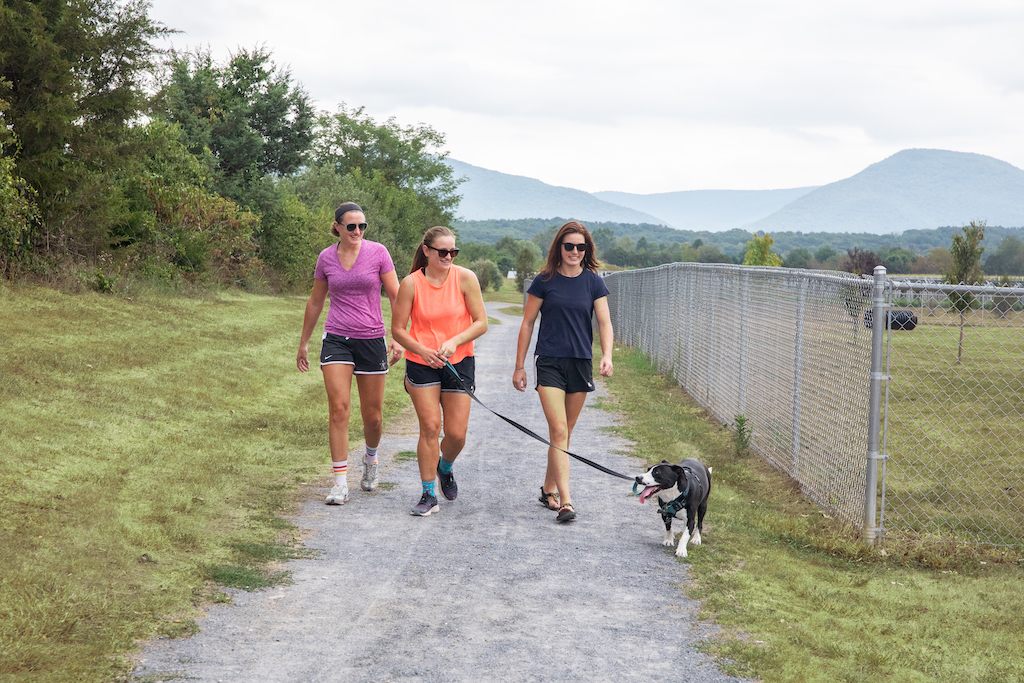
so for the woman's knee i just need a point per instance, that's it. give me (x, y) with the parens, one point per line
(430, 425)
(558, 432)
(340, 411)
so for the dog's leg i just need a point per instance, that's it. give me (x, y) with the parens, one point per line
(670, 539)
(700, 522)
(684, 539)
(681, 548)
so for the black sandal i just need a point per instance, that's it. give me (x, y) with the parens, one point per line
(566, 513)
(549, 500)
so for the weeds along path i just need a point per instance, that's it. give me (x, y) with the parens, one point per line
(491, 588)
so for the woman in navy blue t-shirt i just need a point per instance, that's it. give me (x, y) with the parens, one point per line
(567, 293)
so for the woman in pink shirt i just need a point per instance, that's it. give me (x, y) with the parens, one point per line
(352, 272)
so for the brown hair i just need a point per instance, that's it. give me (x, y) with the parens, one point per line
(419, 259)
(589, 262)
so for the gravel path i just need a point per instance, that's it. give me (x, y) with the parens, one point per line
(489, 589)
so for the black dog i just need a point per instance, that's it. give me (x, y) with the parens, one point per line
(681, 487)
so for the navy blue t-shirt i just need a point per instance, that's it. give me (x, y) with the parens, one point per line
(565, 313)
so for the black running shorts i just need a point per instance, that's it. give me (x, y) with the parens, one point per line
(571, 375)
(419, 375)
(369, 356)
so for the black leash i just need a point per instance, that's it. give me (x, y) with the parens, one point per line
(528, 432)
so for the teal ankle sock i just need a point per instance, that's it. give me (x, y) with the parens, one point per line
(444, 466)
(428, 487)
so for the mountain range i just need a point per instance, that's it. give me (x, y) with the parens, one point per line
(915, 189)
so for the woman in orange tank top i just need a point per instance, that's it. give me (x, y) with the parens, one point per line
(446, 308)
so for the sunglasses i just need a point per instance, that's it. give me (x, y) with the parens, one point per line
(351, 227)
(443, 253)
(569, 246)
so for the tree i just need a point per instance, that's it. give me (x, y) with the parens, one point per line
(759, 252)
(407, 157)
(487, 273)
(966, 270)
(1008, 258)
(73, 73)
(825, 253)
(798, 258)
(859, 261)
(525, 265)
(245, 119)
(897, 259)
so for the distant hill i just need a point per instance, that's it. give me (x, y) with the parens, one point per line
(712, 210)
(916, 189)
(490, 194)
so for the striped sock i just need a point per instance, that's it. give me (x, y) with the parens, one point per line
(371, 455)
(340, 472)
(444, 466)
(428, 487)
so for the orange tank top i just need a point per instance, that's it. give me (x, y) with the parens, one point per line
(438, 314)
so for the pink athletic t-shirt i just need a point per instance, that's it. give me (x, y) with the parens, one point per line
(355, 294)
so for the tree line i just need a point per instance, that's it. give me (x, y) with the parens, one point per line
(120, 162)
(644, 245)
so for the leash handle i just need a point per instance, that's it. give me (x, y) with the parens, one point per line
(531, 433)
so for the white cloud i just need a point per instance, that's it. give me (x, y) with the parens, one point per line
(656, 95)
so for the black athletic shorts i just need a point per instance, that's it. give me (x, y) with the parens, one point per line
(571, 375)
(369, 356)
(419, 375)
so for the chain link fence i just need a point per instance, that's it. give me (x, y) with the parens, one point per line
(791, 352)
(955, 419)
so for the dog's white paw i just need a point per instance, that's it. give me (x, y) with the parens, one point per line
(681, 549)
(696, 537)
(669, 540)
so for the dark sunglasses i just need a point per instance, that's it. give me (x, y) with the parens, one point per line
(443, 253)
(351, 227)
(569, 246)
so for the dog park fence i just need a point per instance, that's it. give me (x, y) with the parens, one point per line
(911, 430)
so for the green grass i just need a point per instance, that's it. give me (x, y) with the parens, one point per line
(148, 448)
(797, 596)
(512, 310)
(507, 294)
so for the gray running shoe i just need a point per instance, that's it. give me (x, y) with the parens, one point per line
(370, 478)
(338, 495)
(448, 486)
(427, 506)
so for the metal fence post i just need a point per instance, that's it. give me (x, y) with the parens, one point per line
(798, 371)
(879, 316)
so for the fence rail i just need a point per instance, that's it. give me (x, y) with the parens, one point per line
(792, 352)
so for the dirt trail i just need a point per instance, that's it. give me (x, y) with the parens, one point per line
(489, 589)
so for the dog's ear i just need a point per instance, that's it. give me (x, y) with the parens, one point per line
(665, 462)
(680, 472)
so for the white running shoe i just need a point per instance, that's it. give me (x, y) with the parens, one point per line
(338, 495)
(370, 477)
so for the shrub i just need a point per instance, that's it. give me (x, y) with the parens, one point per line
(488, 274)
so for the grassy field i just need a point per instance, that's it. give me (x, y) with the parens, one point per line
(147, 449)
(798, 599)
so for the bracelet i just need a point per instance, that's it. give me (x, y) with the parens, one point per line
(520, 368)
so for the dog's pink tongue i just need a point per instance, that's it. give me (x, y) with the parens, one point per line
(648, 492)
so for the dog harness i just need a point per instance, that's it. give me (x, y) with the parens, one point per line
(669, 509)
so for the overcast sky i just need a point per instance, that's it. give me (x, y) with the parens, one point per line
(653, 95)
